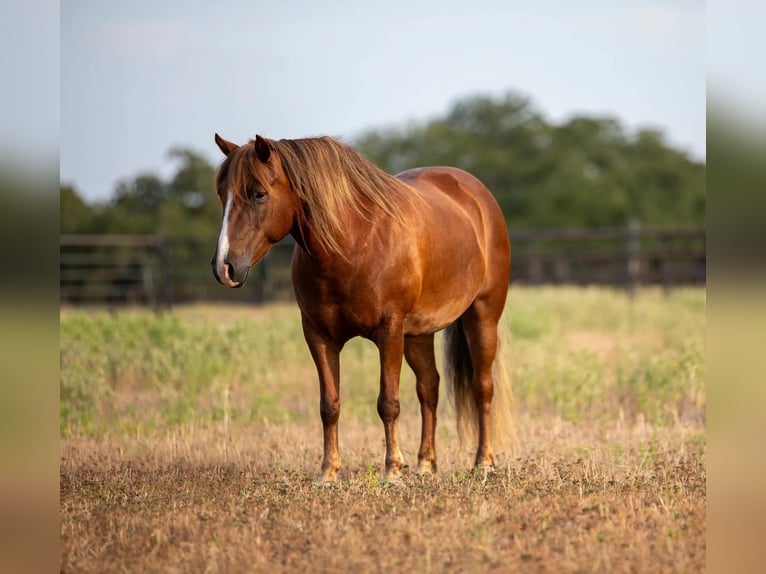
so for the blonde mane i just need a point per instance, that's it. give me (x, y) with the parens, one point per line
(332, 182)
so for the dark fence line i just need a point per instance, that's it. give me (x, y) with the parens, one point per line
(160, 271)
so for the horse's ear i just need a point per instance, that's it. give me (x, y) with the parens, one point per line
(262, 149)
(225, 146)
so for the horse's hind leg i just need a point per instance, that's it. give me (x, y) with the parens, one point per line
(480, 325)
(419, 352)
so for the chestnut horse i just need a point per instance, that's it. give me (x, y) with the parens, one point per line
(391, 259)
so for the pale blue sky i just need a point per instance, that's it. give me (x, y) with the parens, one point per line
(140, 77)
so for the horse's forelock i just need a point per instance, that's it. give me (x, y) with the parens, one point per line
(241, 170)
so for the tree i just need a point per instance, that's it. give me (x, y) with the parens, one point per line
(75, 216)
(586, 171)
(142, 194)
(193, 208)
(186, 204)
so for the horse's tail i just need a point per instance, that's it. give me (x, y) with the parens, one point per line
(458, 371)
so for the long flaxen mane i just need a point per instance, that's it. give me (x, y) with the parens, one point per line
(332, 182)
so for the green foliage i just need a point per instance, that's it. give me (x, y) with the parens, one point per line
(579, 354)
(585, 171)
(592, 354)
(76, 216)
(184, 205)
(120, 370)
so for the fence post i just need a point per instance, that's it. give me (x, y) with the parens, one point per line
(166, 273)
(633, 256)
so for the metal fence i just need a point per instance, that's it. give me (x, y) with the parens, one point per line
(160, 271)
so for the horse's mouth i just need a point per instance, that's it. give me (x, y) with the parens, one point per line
(238, 280)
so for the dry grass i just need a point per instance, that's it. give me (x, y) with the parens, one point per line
(613, 483)
(629, 499)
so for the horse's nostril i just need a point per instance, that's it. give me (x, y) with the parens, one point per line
(229, 270)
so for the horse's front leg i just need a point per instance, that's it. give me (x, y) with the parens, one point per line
(390, 342)
(326, 357)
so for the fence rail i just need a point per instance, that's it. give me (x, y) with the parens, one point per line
(159, 271)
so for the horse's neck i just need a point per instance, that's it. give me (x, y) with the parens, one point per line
(304, 236)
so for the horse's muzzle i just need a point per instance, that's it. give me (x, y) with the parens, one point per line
(228, 275)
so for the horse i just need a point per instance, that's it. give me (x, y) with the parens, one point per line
(393, 259)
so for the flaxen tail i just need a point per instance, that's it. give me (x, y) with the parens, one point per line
(458, 372)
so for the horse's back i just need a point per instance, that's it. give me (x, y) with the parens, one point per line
(441, 183)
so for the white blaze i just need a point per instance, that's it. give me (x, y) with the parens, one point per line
(223, 237)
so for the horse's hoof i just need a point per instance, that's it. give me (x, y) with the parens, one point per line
(327, 478)
(426, 468)
(391, 476)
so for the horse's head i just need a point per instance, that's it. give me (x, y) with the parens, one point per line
(258, 208)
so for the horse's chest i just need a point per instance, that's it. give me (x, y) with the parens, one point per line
(340, 313)
(357, 301)
(342, 321)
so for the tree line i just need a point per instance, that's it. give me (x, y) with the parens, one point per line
(587, 171)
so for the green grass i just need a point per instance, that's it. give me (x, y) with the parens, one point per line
(122, 369)
(578, 354)
(190, 441)
(587, 354)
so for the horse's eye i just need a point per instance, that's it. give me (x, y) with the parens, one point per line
(258, 197)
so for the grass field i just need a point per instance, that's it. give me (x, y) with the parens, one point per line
(190, 442)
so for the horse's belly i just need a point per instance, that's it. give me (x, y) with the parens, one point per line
(431, 315)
